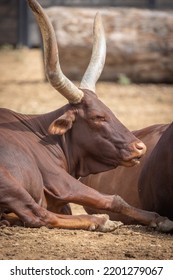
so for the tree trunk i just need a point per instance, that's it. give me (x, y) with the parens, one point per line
(139, 42)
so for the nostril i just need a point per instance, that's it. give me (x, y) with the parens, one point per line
(135, 151)
(141, 146)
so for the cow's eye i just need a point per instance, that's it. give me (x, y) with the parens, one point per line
(99, 118)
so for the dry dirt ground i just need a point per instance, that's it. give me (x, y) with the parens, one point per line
(22, 88)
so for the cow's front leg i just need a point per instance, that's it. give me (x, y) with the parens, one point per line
(32, 215)
(71, 190)
(64, 189)
(144, 217)
(16, 199)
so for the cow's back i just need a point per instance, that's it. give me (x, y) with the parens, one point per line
(156, 179)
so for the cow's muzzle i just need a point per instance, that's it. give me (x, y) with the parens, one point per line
(136, 150)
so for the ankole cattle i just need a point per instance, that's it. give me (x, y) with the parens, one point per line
(124, 181)
(42, 156)
(156, 179)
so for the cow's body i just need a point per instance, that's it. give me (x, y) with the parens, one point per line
(124, 181)
(41, 157)
(156, 179)
(38, 169)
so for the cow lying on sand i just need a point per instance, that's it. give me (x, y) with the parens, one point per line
(42, 156)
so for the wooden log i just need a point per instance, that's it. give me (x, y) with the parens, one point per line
(139, 42)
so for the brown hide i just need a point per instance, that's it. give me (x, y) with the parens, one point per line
(37, 167)
(156, 179)
(124, 181)
(42, 156)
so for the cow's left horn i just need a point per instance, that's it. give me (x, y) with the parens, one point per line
(52, 66)
(97, 60)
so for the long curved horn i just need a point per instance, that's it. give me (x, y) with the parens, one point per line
(97, 61)
(52, 66)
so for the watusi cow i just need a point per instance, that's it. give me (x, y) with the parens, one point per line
(124, 181)
(156, 179)
(42, 156)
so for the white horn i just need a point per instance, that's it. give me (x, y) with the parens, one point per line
(51, 57)
(97, 61)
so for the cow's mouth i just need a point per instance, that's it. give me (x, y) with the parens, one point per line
(131, 162)
(135, 161)
(132, 154)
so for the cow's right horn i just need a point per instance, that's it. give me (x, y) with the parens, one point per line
(52, 66)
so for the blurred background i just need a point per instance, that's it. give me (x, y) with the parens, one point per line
(137, 81)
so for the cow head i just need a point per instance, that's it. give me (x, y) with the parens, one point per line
(100, 141)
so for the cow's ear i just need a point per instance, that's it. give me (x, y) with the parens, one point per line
(62, 124)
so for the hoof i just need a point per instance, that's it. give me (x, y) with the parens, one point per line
(4, 223)
(108, 225)
(165, 225)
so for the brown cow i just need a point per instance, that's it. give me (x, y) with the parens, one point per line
(43, 155)
(124, 181)
(156, 179)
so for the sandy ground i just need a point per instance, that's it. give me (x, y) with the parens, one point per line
(22, 88)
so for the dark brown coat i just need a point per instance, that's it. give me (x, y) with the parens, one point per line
(156, 179)
(42, 156)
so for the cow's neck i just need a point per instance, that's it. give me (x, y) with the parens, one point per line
(38, 126)
(80, 163)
